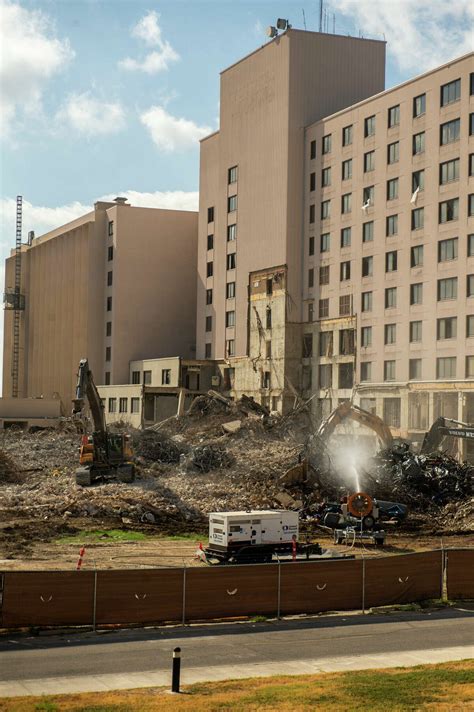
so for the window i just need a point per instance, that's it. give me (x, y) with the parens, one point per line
(449, 132)
(446, 328)
(347, 169)
(324, 274)
(392, 189)
(470, 285)
(311, 246)
(451, 92)
(208, 296)
(108, 353)
(416, 256)
(325, 209)
(268, 349)
(210, 269)
(416, 331)
(414, 369)
(390, 297)
(418, 143)
(311, 278)
(231, 260)
(323, 308)
(367, 266)
(366, 336)
(345, 305)
(449, 171)
(327, 144)
(231, 232)
(136, 377)
(469, 366)
(326, 177)
(110, 228)
(347, 135)
(307, 345)
(230, 318)
(471, 84)
(417, 219)
(470, 325)
(110, 253)
(210, 242)
(392, 225)
(368, 231)
(471, 124)
(324, 242)
(268, 318)
(418, 180)
(269, 289)
(448, 210)
(366, 301)
(312, 214)
(345, 375)
(108, 328)
(312, 150)
(312, 181)
(109, 304)
(230, 290)
(230, 347)
(112, 405)
(447, 288)
(471, 164)
(390, 333)
(368, 194)
(326, 344)
(207, 350)
(470, 245)
(346, 237)
(389, 371)
(393, 152)
(369, 161)
(232, 175)
(325, 375)
(146, 378)
(366, 371)
(346, 203)
(446, 367)
(369, 126)
(208, 323)
(345, 271)
(135, 405)
(419, 105)
(310, 312)
(392, 410)
(416, 293)
(266, 379)
(448, 249)
(470, 205)
(394, 116)
(210, 215)
(123, 405)
(346, 342)
(391, 261)
(231, 203)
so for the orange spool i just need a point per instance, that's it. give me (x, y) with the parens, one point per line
(359, 504)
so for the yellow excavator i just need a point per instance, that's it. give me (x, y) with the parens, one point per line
(348, 411)
(104, 455)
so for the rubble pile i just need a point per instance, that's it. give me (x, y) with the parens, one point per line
(8, 469)
(155, 446)
(210, 457)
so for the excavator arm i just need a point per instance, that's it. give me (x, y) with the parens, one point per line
(86, 390)
(442, 427)
(347, 410)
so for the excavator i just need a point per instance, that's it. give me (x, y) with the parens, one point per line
(441, 428)
(104, 455)
(346, 410)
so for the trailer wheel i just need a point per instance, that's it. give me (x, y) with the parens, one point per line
(379, 542)
(83, 477)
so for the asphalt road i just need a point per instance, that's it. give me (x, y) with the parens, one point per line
(23, 657)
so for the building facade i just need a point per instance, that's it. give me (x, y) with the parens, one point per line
(115, 285)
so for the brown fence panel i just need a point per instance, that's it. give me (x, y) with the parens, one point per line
(231, 591)
(460, 573)
(48, 598)
(320, 586)
(146, 596)
(403, 579)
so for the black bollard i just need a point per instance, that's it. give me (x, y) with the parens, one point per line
(176, 670)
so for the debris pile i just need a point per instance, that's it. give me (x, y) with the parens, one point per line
(210, 457)
(155, 446)
(8, 469)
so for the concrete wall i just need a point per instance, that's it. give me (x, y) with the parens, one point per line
(156, 366)
(117, 392)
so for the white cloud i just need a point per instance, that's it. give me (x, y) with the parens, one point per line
(30, 55)
(148, 30)
(420, 35)
(88, 115)
(170, 133)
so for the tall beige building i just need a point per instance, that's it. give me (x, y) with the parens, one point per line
(115, 285)
(336, 232)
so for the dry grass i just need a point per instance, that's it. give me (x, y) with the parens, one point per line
(448, 687)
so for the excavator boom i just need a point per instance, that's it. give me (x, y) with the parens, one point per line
(442, 427)
(347, 410)
(86, 389)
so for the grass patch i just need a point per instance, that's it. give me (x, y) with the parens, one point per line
(444, 688)
(112, 535)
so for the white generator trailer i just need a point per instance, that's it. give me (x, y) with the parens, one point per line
(254, 536)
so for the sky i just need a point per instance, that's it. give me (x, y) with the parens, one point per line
(100, 98)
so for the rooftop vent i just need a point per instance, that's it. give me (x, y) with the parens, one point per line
(120, 200)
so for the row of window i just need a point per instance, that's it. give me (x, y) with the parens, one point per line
(231, 262)
(123, 405)
(230, 319)
(165, 377)
(446, 328)
(449, 93)
(229, 293)
(231, 236)
(231, 207)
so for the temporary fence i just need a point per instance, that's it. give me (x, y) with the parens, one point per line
(153, 596)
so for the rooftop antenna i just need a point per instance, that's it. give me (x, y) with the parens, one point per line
(321, 3)
(334, 23)
(304, 18)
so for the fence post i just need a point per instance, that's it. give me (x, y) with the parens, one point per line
(279, 589)
(363, 584)
(184, 595)
(444, 571)
(94, 612)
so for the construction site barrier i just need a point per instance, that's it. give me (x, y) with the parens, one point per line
(154, 596)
